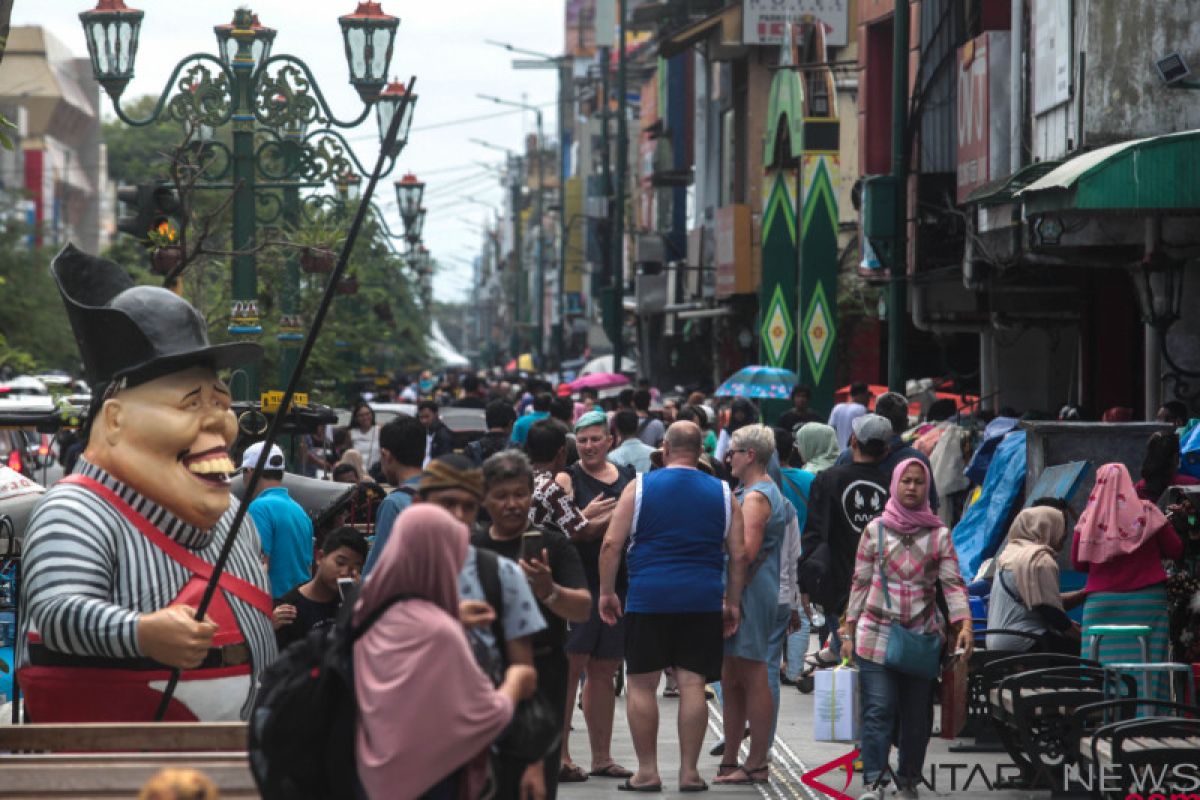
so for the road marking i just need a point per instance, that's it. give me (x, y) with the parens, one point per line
(786, 766)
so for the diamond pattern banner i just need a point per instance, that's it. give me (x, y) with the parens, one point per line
(817, 332)
(777, 329)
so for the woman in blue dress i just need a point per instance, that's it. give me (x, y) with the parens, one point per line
(747, 693)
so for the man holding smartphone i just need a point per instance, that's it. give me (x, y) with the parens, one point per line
(555, 576)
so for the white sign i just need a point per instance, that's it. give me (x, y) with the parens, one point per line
(1051, 54)
(763, 21)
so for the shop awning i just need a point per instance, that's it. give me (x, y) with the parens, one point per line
(728, 22)
(1004, 190)
(1161, 173)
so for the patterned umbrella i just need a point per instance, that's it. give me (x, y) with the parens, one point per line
(759, 382)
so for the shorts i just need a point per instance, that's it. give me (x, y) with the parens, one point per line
(596, 639)
(694, 642)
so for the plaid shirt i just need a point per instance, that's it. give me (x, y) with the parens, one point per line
(553, 507)
(915, 564)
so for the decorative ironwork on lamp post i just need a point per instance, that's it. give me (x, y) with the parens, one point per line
(247, 86)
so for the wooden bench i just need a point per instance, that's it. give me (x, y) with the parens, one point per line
(1111, 738)
(114, 760)
(1031, 697)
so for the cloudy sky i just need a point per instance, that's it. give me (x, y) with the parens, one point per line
(440, 41)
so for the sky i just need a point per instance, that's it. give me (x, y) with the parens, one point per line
(442, 43)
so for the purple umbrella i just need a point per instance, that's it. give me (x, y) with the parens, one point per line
(598, 380)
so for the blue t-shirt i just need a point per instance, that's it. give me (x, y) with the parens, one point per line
(795, 485)
(286, 534)
(385, 518)
(676, 553)
(521, 427)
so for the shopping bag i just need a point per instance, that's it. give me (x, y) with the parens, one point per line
(835, 709)
(954, 697)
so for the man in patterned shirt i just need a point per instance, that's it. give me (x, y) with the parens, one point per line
(552, 507)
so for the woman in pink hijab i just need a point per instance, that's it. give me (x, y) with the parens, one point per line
(917, 553)
(427, 713)
(1120, 542)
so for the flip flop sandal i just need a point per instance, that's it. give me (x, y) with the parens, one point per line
(727, 769)
(696, 787)
(613, 770)
(814, 662)
(571, 773)
(629, 787)
(670, 693)
(750, 778)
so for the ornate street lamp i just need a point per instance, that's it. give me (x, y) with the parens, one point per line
(1159, 283)
(412, 230)
(391, 100)
(409, 191)
(369, 34)
(260, 47)
(111, 30)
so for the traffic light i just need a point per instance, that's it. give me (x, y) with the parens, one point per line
(150, 205)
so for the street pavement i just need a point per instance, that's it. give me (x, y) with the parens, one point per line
(957, 775)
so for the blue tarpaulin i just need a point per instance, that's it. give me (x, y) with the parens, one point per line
(978, 535)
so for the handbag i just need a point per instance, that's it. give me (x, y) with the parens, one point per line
(916, 654)
(535, 732)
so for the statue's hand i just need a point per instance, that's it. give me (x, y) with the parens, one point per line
(172, 636)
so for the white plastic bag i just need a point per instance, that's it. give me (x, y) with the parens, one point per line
(835, 706)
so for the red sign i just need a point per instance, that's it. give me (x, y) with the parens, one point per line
(982, 111)
(846, 763)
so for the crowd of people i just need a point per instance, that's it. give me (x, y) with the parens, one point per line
(578, 547)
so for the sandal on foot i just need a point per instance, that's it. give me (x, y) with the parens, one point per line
(694, 787)
(816, 661)
(611, 770)
(627, 786)
(571, 773)
(726, 769)
(750, 776)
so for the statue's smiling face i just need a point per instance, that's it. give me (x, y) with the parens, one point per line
(169, 439)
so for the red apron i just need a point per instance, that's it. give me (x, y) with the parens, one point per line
(66, 688)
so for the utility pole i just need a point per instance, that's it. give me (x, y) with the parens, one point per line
(605, 229)
(540, 246)
(898, 287)
(518, 278)
(618, 235)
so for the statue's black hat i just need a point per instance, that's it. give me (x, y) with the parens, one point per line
(134, 332)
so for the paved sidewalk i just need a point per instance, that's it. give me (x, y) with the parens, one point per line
(965, 775)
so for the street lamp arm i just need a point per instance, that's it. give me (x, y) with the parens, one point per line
(382, 222)
(293, 86)
(198, 97)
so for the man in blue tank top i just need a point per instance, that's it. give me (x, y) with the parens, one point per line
(679, 524)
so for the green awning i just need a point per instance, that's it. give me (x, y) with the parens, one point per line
(1161, 173)
(1004, 190)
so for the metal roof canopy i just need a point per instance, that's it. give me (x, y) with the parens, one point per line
(1004, 190)
(1161, 173)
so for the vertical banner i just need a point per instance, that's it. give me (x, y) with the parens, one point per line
(818, 274)
(777, 289)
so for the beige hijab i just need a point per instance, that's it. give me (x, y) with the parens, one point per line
(1034, 539)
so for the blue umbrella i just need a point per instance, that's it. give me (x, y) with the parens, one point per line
(759, 382)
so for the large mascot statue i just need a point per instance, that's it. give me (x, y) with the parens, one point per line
(117, 555)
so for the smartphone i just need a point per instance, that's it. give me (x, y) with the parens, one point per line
(344, 586)
(531, 545)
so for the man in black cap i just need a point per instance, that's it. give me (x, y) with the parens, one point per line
(118, 554)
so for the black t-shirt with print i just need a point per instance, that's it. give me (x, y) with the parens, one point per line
(565, 567)
(310, 615)
(842, 500)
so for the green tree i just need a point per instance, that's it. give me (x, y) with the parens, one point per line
(35, 332)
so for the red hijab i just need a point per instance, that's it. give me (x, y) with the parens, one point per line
(1116, 521)
(425, 707)
(907, 521)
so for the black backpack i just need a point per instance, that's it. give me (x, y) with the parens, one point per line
(302, 729)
